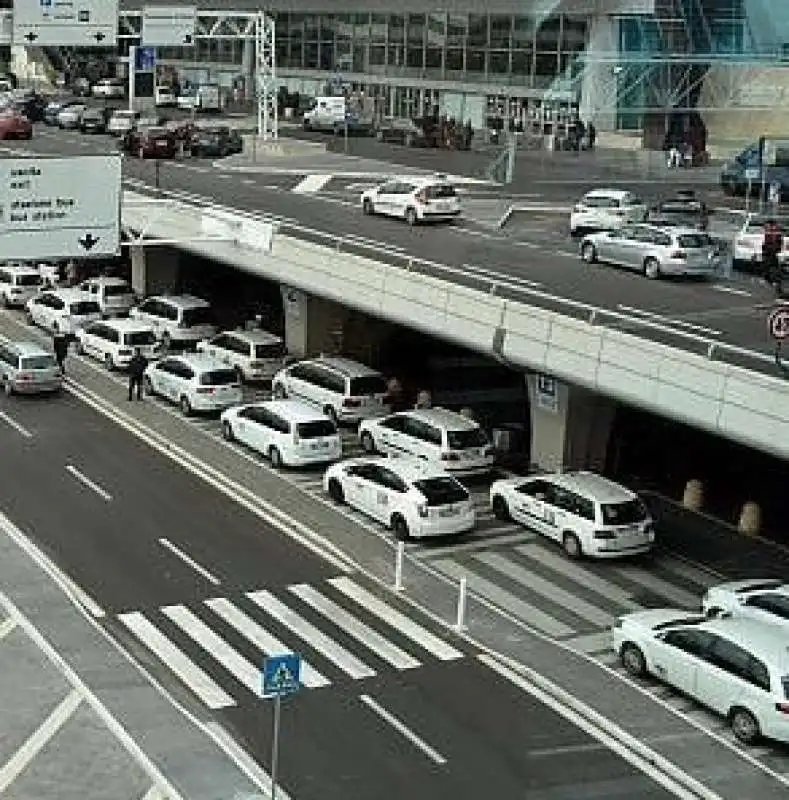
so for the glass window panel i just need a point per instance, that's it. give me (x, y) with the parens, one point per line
(361, 26)
(296, 26)
(378, 28)
(415, 57)
(500, 31)
(478, 30)
(295, 56)
(328, 58)
(573, 34)
(522, 62)
(396, 56)
(282, 52)
(344, 26)
(311, 56)
(434, 58)
(281, 25)
(436, 30)
(546, 64)
(475, 61)
(377, 56)
(454, 59)
(523, 33)
(416, 28)
(548, 34)
(311, 27)
(499, 62)
(396, 28)
(457, 26)
(328, 24)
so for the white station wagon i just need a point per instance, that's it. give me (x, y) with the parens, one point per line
(763, 599)
(412, 498)
(63, 310)
(256, 355)
(113, 341)
(414, 199)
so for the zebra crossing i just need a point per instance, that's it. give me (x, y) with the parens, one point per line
(343, 630)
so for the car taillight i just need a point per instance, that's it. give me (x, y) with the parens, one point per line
(450, 457)
(783, 708)
(421, 509)
(606, 535)
(205, 390)
(679, 254)
(421, 196)
(352, 402)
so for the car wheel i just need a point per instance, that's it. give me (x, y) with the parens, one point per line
(239, 374)
(588, 252)
(367, 207)
(500, 508)
(745, 726)
(651, 268)
(227, 431)
(572, 545)
(331, 413)
(275, 457)
(278, 390)
(335, 491)
(411, 216)
(148, 386)
(367, 442)
(185, 405)
(633, 660)
(400, 528)
(714, 613)
(109, 363)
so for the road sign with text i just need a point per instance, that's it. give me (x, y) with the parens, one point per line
(778, 323)
(169, 26)
(65, 23)
(60, 207)
(281, 675)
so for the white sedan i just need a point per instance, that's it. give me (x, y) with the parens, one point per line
(63, 310)
(764, 599)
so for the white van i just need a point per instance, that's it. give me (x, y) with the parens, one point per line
(114, 295)
(18, 285)
(737, 667)
(325, 114)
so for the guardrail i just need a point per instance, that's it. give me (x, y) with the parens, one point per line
(506, 287)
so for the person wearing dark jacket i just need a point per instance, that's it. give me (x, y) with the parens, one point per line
(771, 249)
(60, 346)
(137, 367)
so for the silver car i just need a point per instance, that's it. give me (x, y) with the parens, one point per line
(654, 251)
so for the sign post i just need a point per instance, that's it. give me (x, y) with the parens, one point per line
(778, 328)
(65, 23)
(281, 676)
(56, 207)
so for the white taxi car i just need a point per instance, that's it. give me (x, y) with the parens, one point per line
(586, 513)
(442, 437)
(286, 432)
(18, 284)
(413, 198)
(762, 599)
(411, 497)
(606, 210)
(739, 668)
(113, 341)
(195, 382)
(62, 310)
(114, 295)
(256, 355)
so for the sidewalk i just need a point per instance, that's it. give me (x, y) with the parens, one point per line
(716, 544)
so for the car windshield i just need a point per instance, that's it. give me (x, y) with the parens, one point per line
(316, 429)
(626, 513)
(38, 362)
(460, 440)
(201, 315)
(441, 491)
(82, 307)
(440, 192)
(116, 290)
(693, 240)
(139, 338)
(28, 280)
(219, 377)
(273, 350)
(369, 384)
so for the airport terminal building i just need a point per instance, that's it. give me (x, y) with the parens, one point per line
(614, 62)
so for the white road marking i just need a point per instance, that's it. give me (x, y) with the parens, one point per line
(599, 642)
(248, 181)
(178, 553)
(17, 764)
(86, 481)
(493, 274)
(483, 543)
(391, 616)
(345, 621)
(566, 750)
(192, 676)
(154, 793)
(505, 600)
(15, 425)
(403, 729)
(6, 626)
(312, 184)
(660, 587)
(719, 287)
(318, 640)
(654, 317)
(262, 639)
(533, 582)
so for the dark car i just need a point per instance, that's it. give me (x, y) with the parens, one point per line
(150, 143)
(216, 141)
(94, 120)
(30, 105)
(683, 210)
(400, 130)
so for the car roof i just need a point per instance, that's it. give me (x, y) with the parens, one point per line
(617, 193)
(293, 410)
(671, 230)
(346, 366)
(254, 336)
(125, 324)
(408, 468)
(107, 280)
(442, 417)
(26, 348)
(20, 268)
(68, 294)
(592, 485)
(200, 362)
(182, 300)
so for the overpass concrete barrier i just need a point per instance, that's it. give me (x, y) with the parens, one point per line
(677, 374)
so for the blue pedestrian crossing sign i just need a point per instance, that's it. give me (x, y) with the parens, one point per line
(281, 674)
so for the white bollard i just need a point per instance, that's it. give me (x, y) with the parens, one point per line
(398, 584)
(460, 622)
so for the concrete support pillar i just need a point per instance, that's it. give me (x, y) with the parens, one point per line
(601, 74)
(570, 425)
(248, 68)
(154, 270)
(313, 325)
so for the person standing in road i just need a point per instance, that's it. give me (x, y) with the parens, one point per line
(771, 248)
(60, 346)
(137, 367)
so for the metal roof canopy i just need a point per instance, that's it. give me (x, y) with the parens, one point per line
(138, 235)
(210, 24)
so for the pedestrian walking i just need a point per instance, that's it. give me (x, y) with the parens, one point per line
(771, 249)
(137, 367)
(60, 346)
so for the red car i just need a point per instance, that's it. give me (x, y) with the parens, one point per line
(15, 126)
(150, 143)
